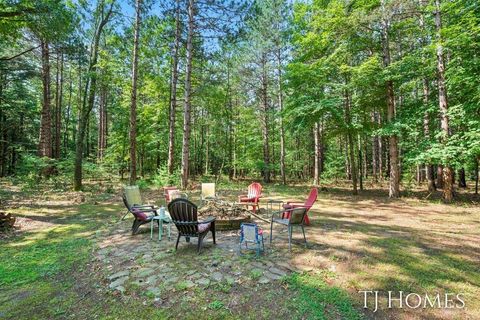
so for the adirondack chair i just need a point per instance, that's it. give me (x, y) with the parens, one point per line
(208, 191)
(167, 191)
(142, 214)
(133, 198)
(312, 197)
(184, 216)
(252, 197)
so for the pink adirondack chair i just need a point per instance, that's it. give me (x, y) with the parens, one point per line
(252, 197)
(167, 192)
(312, 197)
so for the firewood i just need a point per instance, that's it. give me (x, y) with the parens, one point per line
(6, 220)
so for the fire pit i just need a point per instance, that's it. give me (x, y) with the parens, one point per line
(229, 215)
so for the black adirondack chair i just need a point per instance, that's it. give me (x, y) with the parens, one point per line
(184, 216)
(140, 213)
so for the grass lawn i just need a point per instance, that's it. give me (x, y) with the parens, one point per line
(47, 268)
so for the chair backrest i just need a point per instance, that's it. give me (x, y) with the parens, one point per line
(254, 190)
(183, 211)
(137, 213)
(297, 215)
(249, 232)
(175, 194)
(312, 197)
(208, 190)
(132, 195)
(166, 192)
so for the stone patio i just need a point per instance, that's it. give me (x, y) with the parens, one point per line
(136, 265)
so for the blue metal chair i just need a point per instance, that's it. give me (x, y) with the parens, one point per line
(251, 233)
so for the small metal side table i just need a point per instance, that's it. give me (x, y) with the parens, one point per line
(271, 203)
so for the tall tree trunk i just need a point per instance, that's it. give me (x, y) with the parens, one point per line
(374, 151)
(133, 107)
(282, 129)
(102, 124)
(316, 169)
(173, 93)
(426, 131)
(360, 163)
(265, 133)
(394, 185)
(462, 182)
(89, 96)
(350, 143)
(443, 104)
(380, 151)
(477, 160)
(45, 140)
(440, 176)
(58, 105)
(188, 92)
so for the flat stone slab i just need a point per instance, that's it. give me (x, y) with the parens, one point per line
(118, 282)
(277, 271)
(272, 276)
(119, 274)
(263, 280)
(217, 276)
(203, 282)
(143, 272)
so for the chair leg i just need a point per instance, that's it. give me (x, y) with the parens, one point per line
(271, 231)
(199, 244)
(123, 218)
(178, 240)
(213, 232)
(289, 238)
(304, 238)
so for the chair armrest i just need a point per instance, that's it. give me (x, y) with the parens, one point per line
(140, 206)
(287, 210)
(208, 220)
(295, 202)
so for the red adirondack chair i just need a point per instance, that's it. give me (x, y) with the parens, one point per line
(312, 197)
(252, 197)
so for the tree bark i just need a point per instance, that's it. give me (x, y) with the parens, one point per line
(426, 131)
(443, 104)
(45, 140)
(264, 120)
(133, 107)
(58, 105)
(89, 95)
(394, 185)
(350, 143)
(173, 93)
(188, 93)
(316, 169)
(462, 181)
(282, 129)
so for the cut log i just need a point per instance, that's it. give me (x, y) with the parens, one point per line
(6, 221)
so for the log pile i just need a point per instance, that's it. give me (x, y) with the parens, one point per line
(223, 210)
(6, 221)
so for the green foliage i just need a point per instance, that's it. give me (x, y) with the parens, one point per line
(163, 178)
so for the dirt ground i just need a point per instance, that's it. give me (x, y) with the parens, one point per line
(357, 243)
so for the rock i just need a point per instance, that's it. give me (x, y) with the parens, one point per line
(143, 272)
(203, 282)
(217, 276)
(152, 279)
(120, 289)
(277, 271)
(118, 282)
(119, 274)
(286, 265)
(273, 276)
(263, 280)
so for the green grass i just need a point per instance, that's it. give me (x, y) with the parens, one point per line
(314, 299)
